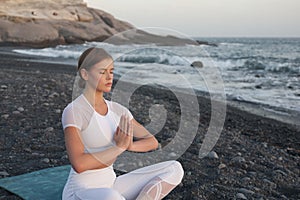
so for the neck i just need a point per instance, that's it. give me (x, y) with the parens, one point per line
(93, 96)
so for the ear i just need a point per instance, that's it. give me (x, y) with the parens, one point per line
(84, 75)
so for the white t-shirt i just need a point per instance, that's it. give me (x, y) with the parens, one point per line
(96, 130)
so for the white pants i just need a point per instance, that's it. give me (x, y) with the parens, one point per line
(128, 186)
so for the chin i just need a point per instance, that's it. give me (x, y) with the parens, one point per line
(106, 90)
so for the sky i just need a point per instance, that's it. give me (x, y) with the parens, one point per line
(210, 18)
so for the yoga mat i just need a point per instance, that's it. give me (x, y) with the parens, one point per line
(45, 184)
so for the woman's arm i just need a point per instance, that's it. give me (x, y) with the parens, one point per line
(145, 140)
(82, 161)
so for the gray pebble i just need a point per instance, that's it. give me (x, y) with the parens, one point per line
(16, 112)
(53, 95)
(172, 154)
(246, 179)
(49, 129)
(4, 173)
(213, 155)
(221, 166)
(4, 87)
(58, 111)
(252, 173)
(240, 196)
(245, 191)
(238, 159)
(5, 116)
(280, 172)
(45, 160)
(21, 109)
(270, 183)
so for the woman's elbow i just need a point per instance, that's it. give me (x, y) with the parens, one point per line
(155, 143)
(78, 167)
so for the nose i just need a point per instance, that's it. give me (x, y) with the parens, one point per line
(108, 75)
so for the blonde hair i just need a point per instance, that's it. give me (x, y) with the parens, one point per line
(88, 59)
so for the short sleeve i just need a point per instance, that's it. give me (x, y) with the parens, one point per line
(71, 118)
(121, 110)
(128, 113)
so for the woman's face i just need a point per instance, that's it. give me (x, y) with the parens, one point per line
(100, 76)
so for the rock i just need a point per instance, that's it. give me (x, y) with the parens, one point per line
(246, 179)
(172, 154)
(240, 196)
(49, 129)
(4, 87)
(64, 157)
(45, 160)
(280, 172)
(5, 116)
(238, 159)
(46, 104)
(4, 173)
(52, 22)
(213, 155)
(16, 112)
(221, 166)
(245, 191)
(270, 183)
(35, 154)
(198, 64)
(27, 150)
(21, 109)
(53, 95)
(252, 173)
(47, 23)
(58, 111)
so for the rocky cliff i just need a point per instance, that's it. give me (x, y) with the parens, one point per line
(42, 23)
(51, 22)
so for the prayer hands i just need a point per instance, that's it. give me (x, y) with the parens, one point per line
(124, 134)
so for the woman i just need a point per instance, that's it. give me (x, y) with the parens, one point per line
(97, 131)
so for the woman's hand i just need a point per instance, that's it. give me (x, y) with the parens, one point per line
(124, 134)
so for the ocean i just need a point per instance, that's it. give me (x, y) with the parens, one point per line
(264, 72)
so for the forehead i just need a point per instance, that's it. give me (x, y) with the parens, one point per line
(106, 63)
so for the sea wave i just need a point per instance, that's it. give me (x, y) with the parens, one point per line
(50, 52)
(160, 59)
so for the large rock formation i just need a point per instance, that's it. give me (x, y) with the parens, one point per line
(42, 23)
(50, 22)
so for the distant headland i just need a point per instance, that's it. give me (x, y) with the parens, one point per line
(44, 23)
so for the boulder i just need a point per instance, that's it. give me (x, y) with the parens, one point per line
(198, 64)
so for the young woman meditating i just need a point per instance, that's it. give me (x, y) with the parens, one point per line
(97, 131)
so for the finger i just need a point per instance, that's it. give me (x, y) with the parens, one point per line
(122, 123)
(127, 125)
(130, 130)
(117, 131)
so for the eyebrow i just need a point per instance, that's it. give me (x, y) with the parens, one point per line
(106, 69)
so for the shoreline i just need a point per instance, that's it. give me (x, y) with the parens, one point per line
(256, 156)
(277, 113)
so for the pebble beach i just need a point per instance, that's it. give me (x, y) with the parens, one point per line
(255, 157)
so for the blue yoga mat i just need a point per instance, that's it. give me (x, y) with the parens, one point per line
(45, 184)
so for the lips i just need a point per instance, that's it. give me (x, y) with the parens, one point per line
(108, 84)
